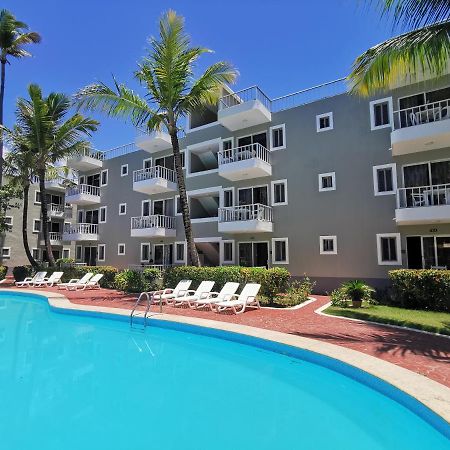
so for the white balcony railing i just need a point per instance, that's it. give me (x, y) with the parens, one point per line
(417, 115)
(422, 196)
(241, 213)
(83, 189)
(243, 153)
(154, 221)
(154, 172)
(245, 95)
(81, 228)
(55, 236)
(56, 210)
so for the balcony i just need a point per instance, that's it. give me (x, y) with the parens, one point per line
(57, 184)
(56, 211)
(423, 205)
(154, 180)
(421, 128)
(242, 163)
(154, 142)
(153, 226)
(83, 194)
(244, 109)
(56, 239)
(86, 160)
(81, 232)
(256, 218)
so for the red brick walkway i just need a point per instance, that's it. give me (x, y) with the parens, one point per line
(426, 354)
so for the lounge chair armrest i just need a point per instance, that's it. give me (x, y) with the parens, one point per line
(74, 280)
(213, 294)
(204, 295)
(183, 293)
(250, 298)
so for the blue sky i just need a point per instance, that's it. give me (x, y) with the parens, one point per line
(282, 46)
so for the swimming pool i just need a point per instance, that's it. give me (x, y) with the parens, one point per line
(71, 382)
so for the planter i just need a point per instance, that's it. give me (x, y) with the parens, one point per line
(356, 303)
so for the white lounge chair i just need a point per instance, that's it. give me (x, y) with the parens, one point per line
(246, 298)
(93, 283)
(75, 281)
(166, 294)
(53, 279)
(226, 293)
(191, 296)
(29, 281)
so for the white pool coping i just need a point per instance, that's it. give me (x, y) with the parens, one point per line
(432, 394)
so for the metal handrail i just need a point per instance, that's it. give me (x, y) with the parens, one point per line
(121, 150)
(256, 211)
(91, 153)
(154, 172)
(83, 189)
(245, 95)
(422, 196)
(81, 228)
(418, 115)
(153, 221)
(243, 153)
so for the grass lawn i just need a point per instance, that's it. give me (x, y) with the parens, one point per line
(436, 322)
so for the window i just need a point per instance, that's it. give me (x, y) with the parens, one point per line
(388, 249)
(37, 197)
(324, 122)
(101, 249)
(228, 197)
(103, 214)
(124, 170)
(66, 253)
(227, 252)
(78, 252)
(6, 252)
(253, 195)
(82, 179)
(8, 221)
(122, 209)
(147, 163)
(36, 226)
(145, 253)
(177, 206)
(279, 192)
(80, 216)
(180, 252)
(384, 179)
(227, 144)
(280, 251)
(145, 208)
(380, 113)
(327, 181)
(36, 254)
(328, 245)
(278, 137)
(121, 249)
(104, 177)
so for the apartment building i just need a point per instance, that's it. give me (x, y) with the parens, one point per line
(320, 182)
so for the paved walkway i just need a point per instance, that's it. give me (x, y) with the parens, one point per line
(423, 353)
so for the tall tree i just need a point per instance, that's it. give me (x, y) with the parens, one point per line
(51, 137)
(14, 36)
(424, 47)
(171, 93)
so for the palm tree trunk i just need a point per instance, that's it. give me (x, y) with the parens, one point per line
(192, 253)
(44, 214)
(26, 246)
(2, 96)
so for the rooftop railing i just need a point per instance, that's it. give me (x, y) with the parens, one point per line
(121, 150)
(422, 196)
(153, 221)
(96, 154)
(256, 211)
(243, 153)
(417, 115)
(154, 172)
(244, 95)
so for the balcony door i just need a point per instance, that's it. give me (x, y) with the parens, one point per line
(90, 256)
(163, 254)
(250, 196)
(253, 254)
(92, 216)
(260, 138)
(164, 207)
(93, 180)
(425, 252)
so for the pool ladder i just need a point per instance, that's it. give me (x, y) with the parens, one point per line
(147, 296)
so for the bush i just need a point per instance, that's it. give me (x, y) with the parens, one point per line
(21, 272)
(107, 281)
(421, 289)
(129, 281)
(352, 290)
(339, 298)
(151, 279)
(3, 272)
(298, 292)
(65, 262)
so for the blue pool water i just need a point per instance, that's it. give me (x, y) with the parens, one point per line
(77, 382)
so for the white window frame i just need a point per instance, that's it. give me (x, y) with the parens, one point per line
(286, 240)
(224, 262)
(101, 177)
(398, 246)
(80, 249)
(146, 160)
(12, 221)
(226, 140)
(375, 169)
(326, 238)
(322, 116)
(373, 103)
(333, 179)
(34, 225)
(176, 260)
(175, 206)
(143, 202)
(272, 192)
(222, 196)
(102, 208)
(119, 253)
(98, 252)
(121, 170)
(124, 213)
(65, 250)
(82, 179)
(38, 250)
(271, 129)
(147, 244)
(8, 253)
(36, 202)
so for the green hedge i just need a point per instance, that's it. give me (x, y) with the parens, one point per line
(421, 289)
(3, 272)
(21, 272)
(273, 281)
(136, 281)
(107, 281)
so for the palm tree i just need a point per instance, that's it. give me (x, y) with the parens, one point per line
(14, 35)
(425, 47)
(51, 138)
(167, 75)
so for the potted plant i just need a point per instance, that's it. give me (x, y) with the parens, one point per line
(357, 291)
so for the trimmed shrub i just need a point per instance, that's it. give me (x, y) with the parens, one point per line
(421, 289)
(3, 272)
(129, 281)
(151, 279)
(21, 272)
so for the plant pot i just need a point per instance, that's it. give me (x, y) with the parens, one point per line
(356, 303)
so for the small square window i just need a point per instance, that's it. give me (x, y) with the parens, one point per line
(101, 252)
(228, 253)
(145, 253)
(124, 170)
(66, 253)
(279, 192)
(103, 214)
(6, 252)
(327, 181)
(388, 249)
(122, 209)
(8, 222)
(36, 226)
(384, 179)
(180, 252)
(36, 254)
(104, 177)
(324, 122)
(121, 249)
(380, 113)
(280, 251)
(328, 245)
(278, 137)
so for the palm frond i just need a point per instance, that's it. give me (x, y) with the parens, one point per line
(423, 50)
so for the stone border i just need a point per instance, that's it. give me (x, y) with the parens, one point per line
(430, 393)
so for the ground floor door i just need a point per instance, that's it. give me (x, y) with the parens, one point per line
(56, 255)
(163, 255)
(90, 256)
(254, 254)
(425, 252)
